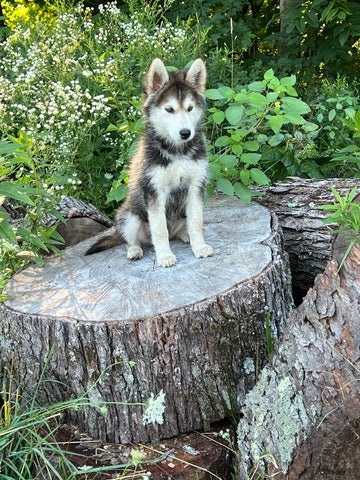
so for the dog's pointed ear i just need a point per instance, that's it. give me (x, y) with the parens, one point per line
(196, 75)
(156, 77)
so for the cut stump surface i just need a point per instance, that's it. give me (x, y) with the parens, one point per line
(195, 331)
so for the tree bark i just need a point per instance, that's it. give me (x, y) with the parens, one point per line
(309, 243)
(302, 420)
(195, 331)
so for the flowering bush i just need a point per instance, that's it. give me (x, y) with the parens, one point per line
(73, 85)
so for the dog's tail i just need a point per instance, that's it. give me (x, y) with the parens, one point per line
(110, 239)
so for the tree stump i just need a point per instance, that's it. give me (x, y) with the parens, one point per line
(195, 331)
(302, 420)
(309, 243)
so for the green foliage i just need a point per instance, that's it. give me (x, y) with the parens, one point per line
(335, 145)
(346, 213)
(322, 35)
(30, 238)
(260, 130)
(216, 16)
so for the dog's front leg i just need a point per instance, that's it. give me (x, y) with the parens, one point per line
(160, 234)
(194, 215)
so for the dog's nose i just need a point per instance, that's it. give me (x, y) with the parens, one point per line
(185, 134)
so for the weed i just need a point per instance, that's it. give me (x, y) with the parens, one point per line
(346, 213)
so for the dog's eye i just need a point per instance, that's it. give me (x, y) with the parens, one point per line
(169, 109)
(190, 108)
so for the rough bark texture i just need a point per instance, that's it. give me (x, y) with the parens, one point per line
(302, 420)
(196, 331)
(309, 243)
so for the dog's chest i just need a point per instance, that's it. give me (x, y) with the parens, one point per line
(179, 173)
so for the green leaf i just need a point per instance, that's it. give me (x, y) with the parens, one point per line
(215, 169)
(271, 97)
(229, 161)
(256, 87)
(37, 241)
(252, 145)
(295, 105)
(57, 215)
(269, 74)
(291, 91)
(274, 83)
(251, 158)
(259, 176)
(234, 114)
(276, 122)
(117, 193)
(223, 141)
(225, 186)
(218, 117)
(6, 232)
(257, 99)
(6, 147)
(327, 12)
(243, 192)
(310, 127)
(227, 92)
(276, 139)
(237, 149)
(12, 190)
(241, 98)
(288, 81)
(332, 114)
(214, 94)
(245, 176)
(343, 37)
(350, 148)
(294, 118)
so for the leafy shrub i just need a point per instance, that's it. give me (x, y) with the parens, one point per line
(261, 133)
(27, 239)
(346, 213)
(322, 35)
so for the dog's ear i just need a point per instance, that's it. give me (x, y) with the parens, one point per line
(156, 77)
(196, 75)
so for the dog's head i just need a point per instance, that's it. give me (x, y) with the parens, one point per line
(173, 101)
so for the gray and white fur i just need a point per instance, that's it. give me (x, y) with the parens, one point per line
(169, 171)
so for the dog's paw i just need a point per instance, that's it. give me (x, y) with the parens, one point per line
(202, 251)
(134, 252)
(166, 260)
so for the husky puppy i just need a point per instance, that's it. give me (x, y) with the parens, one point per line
(168, 173)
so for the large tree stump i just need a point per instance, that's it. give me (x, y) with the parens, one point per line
(309, 243)
(302, 420)
(196, 331)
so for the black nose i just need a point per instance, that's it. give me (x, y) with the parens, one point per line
(185, 134)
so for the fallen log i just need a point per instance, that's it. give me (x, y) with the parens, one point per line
(83, 221)
(195, 332)
(309, 243)
(302, 419)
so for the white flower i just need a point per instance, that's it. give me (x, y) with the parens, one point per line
(155, 408)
